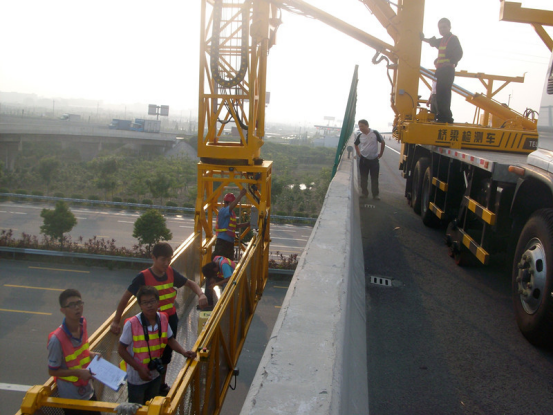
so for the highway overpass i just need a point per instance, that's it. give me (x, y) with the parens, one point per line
(86, 137)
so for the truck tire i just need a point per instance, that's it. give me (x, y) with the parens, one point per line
(427, 191)
(416, 185)
(532, 279)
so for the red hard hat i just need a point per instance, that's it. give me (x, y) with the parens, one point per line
(229, 197)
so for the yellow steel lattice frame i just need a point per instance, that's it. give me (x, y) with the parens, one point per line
(214, 181)
(233, 77)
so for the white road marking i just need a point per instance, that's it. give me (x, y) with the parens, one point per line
(393, 149)
(124, 221)
(14, 387)
(19, 213)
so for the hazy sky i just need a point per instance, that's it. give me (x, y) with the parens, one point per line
(143, 51)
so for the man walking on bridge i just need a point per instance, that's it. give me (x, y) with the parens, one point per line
(366, 146)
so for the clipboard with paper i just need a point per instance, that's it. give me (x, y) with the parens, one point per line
(107, 373)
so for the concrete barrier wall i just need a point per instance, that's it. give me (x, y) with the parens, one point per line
(316, 359)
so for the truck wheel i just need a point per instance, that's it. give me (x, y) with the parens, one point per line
(427, 191)
(416, 185)
(532, 279)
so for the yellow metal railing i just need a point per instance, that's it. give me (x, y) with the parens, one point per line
(201, 384)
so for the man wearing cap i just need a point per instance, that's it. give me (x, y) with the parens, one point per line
(226, 226)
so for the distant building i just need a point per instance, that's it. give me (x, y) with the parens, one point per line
(330, 136)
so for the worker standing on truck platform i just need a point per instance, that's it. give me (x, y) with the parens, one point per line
(366, 146)
(144, 339)
(449, 54)
(226, 226)
(163, 277)
(217, 273)
(68, 352)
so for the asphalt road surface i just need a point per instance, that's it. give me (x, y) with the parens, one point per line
(118, 224)
(442, 339)
(29, 311)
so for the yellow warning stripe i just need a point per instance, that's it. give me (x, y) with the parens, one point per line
(437, 211)
(473, 247)
(443, 186)
(485, 214)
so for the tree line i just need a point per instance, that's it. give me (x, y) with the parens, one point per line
(120, 175)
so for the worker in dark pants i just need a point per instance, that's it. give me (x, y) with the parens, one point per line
(227, 225)
(449, 54)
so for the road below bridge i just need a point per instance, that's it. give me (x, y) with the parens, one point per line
(118, 224)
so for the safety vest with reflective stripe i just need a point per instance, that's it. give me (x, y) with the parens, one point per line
(139, 344)
(442, 60)
(221, 260)
(167, 292)
(230, 229)
(75, 357)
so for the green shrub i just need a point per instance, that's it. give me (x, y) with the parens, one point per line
(132, 200)
(21, 192)
(116, 199)
(281, 213)
(188, 205)
(37, 193)
(172, 204)
(77, 196)
(300, 214)
(59, 194)
(147, 202)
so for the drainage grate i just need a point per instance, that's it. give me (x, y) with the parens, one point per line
(386, 282)
(368, 206)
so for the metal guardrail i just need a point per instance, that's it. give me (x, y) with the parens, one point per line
(98, 257)
(80, 255)
(137, 205)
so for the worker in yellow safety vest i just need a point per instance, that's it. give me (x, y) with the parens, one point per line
(69, 354)
(226, 226)
(166, 280)
(143, 340)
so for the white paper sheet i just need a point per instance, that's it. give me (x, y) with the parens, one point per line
(107, 373)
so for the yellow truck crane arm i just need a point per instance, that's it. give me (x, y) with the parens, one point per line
(404, 27)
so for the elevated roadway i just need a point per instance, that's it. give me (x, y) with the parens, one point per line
(86, 137)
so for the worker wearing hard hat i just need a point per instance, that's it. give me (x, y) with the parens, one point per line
(226, 226)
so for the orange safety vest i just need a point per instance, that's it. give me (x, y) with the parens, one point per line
(230, 231)
(221, 260)
(442, 60)
(75, 357)
(167, 292)
(139, 343)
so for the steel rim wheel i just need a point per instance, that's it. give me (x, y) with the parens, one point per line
(532, 276)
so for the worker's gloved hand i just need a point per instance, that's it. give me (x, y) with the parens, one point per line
(421, 35)
(127, 408)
